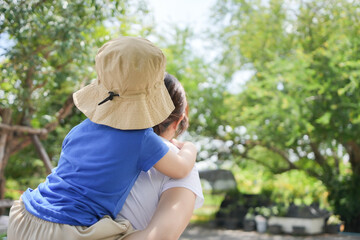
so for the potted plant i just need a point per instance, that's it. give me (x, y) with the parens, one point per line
(333, 224)
(261, 224)
(262, 215)
(299, 220)
(249, 220)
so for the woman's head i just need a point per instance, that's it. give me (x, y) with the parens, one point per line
(178, 96)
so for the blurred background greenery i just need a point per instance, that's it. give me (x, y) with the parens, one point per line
(291, 128)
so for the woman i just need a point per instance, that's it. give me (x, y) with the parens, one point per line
(157, 205)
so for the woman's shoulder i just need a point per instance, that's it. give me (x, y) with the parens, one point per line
(171, 146)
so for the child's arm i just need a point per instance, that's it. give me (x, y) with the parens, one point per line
(178, 165)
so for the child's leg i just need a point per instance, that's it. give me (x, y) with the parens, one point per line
(105, 229)
(15, 219)
(23, 225)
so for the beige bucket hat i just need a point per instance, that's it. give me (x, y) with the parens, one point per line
(129, 92)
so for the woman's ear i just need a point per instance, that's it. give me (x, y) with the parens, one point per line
(179, 121)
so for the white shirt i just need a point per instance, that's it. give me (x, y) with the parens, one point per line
(143, 199)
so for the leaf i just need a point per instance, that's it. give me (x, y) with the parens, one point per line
(324, 119)
(6, 86)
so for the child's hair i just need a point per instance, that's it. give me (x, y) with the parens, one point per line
(177, 94)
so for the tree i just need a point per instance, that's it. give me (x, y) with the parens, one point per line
(50, 52)
(302, 101)
(204, 88)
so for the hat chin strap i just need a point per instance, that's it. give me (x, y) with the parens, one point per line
(110, 97)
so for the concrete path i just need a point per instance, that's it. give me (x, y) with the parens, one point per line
(205, 233)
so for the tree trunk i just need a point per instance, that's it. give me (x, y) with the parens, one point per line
(353, 150)
(5, 140)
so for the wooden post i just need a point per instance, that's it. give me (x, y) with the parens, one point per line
(5, 139)
(42, 153)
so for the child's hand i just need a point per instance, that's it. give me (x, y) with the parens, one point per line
(178, 165)
(177, 143)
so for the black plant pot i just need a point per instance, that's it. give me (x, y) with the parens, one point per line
(297, 230)
(275, 229)
(332, 228)
(249, 225)
(231, 223)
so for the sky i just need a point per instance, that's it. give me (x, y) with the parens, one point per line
(192, 13)
(196, 14)
(184, 12)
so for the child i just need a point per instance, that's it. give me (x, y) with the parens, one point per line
(102, 157)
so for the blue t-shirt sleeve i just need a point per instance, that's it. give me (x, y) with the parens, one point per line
(67, 137)
(152, 150)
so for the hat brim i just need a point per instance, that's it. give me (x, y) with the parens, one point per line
(126, 113)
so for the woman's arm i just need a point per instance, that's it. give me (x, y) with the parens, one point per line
(171, 217)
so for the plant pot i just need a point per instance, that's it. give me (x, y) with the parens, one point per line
(261, 224)
(311, 225)
(332, 228)
(249, 225)
(231, 223)
(274, 229)
(218, 222)
(298, 230)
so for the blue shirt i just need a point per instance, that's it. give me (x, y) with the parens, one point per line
(97, 168)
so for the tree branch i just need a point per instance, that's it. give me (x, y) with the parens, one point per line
(23, 129)
(274, 149)
(61, 66)
(61, 114)
(272, 169)
(318, 156)
(337, 161)
(20, 145)
(312, 173)
(39, 85)
(297, 152)
(245, 155)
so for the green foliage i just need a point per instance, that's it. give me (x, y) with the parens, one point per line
(295, 187)
(334, 219)
(302, 101)
(12, 189)
(282, 189)
(344, 196)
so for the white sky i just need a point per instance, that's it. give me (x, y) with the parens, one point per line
(195, 14)
(183, 12)
(192, 13)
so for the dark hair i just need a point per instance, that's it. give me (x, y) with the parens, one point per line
(178, 96)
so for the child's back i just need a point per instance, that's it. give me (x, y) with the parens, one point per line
(97, 168)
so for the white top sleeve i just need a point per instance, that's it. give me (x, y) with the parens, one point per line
(143, 199)
(191, 182)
